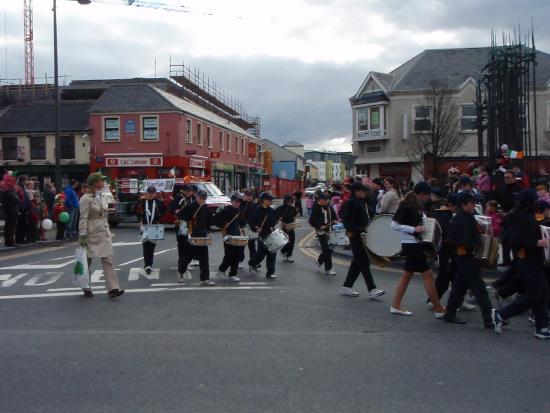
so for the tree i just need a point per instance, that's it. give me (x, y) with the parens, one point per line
(437, 134)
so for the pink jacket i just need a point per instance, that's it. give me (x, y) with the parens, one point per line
(496, 222)
(483, 183)
(309, 202)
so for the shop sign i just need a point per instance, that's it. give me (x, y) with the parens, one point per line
(241, 169)
(129, 162)
(191, 152)
(214, 155)
(196, 163)
(130, 126)
(223, 167)
(252, 154)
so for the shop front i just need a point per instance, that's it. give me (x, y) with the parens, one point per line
(223, 176)
(240, 181)
(255, 177)
(45, 174)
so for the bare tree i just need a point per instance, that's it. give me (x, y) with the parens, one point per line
(441, 136)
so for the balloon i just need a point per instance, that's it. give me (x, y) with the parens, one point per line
(64, 217)
(47, 224)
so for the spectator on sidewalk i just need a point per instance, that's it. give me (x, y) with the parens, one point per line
(24, 210)
(48, 197)
(11, 204)
(58, 208)
(71, 207)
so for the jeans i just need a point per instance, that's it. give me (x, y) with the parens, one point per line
(260, 255)
(468, 276)
(71, 225)
(326, 254)
(359, 264)
(534, 297)
(148, 253)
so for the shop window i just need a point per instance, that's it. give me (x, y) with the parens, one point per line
(209, 136)
(468, 118)
(150, 128)
(38, 147)
(111, 129)
(422, 118)
(9, 149)
(67, 147)
(199, 134)
(188, 132)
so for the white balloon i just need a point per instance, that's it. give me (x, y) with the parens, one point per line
(47, 224)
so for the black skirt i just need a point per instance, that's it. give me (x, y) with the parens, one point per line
(415, 258)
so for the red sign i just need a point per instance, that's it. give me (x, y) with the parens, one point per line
(252, 154)
(214, 155)
(196, 163)
(137, 161)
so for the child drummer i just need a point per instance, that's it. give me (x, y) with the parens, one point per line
(228, 220)
(321, 218)
(198, 220)
(287, 214)
(263, 221)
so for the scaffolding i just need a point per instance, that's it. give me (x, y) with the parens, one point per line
(199, 88)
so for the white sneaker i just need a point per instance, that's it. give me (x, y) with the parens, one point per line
(289, 259)
(400, 312)
(187, 276)
(220, 275)
(207, 283)
(193, 263)
(234, 279)
(439, 316)
(148, 270)
(467, 306)
(429, 306)
(180, 277)
(252, 269)
(241, 265)
(330, 272)
(271, 276)
(348, 292)
(375, 293)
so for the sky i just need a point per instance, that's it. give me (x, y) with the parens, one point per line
(295, 63)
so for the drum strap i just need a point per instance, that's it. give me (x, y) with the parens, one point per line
(229, 223)
(150, 215)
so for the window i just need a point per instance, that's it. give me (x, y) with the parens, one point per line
(237, 145)
(469, 118)
(67, 147)
(111, 129)
(188, 132)
(38, 147)
(422, 118)
(221, 141)
(228, 142)
(150, 128)
(243, 146)
(199, 134)
(369, 118)
(209, 136)
(9, 149)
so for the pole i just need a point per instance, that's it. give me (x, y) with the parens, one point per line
(58, 182)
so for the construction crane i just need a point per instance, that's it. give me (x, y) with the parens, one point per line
(28, 37)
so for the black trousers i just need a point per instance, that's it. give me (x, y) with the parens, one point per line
(231, 257)
(252, 243)
(148, 253)
(446, 272)
(260, 255)
(183, 245)
(21, 228)
(506, 252)
(510, 282)
(200, 254)
(359, 264)
(60, 234)
(299, 208)
(9, 228)
(326, 253)
(289, 248)
(468, 276)
(535, 295)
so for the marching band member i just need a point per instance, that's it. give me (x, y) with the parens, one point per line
(321, 218)
(198, 220)
(464, 236)
(408, 220)
(528, 241)
(355, 217)
(263, 221)
(228, 222)
(151, 209)
(182, 198)
(247, 208)
(287, 214)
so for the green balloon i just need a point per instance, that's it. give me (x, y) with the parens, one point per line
(64, 217)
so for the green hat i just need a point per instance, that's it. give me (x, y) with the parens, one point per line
(94, 177)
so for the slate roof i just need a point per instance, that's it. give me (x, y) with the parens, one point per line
(40, 118)
(147, 99)
(278, 152)
(450, 66)
(293, 144)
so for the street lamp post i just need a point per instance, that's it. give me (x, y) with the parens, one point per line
(58, 182)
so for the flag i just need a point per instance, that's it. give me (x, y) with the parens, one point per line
(172, 172)
(515, 154)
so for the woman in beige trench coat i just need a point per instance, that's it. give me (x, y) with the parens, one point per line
(95, 234)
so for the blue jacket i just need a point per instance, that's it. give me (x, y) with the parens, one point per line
(71, 200)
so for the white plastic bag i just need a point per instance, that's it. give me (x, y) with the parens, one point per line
(81, 276)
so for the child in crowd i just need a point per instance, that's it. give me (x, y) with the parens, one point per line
(43, 211)
(309, 204)
(542, 192)
(58, 208)
(336, 204)
(492, 211)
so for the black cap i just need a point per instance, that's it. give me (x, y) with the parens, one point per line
(358, 186)
(202, 194)
(288, 197)
(378, 181)
(235, 197)
(465, 197)
(437, 192)
(422, 188)
(248, 192)
(151, 189)
(266, 196)
(452, 198)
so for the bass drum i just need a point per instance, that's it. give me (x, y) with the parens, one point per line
(381, 240)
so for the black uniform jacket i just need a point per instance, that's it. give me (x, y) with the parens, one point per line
(286, 213)
(321, 216)
(197, 222)
(160, 209)
(263, 215)
(354, 215)
(227, 216)
(525, 235)
(464, 234)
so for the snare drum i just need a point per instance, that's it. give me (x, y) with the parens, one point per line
(200, 241)
(381, 240)
(291, 226)
(249, 233)
(276, 240)
(235, 240)
(337, 236)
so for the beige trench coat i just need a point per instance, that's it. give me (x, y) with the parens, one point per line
(93, 223)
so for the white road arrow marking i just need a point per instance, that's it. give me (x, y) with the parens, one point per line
(96, 275)
(53, 277)
(135, 273)
(8, 280)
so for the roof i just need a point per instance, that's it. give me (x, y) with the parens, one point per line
(40, 118)
(293, 144)
(452, 67)
(147, 98)
(279, 153)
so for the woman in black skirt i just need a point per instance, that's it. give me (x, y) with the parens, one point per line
(408, 220)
